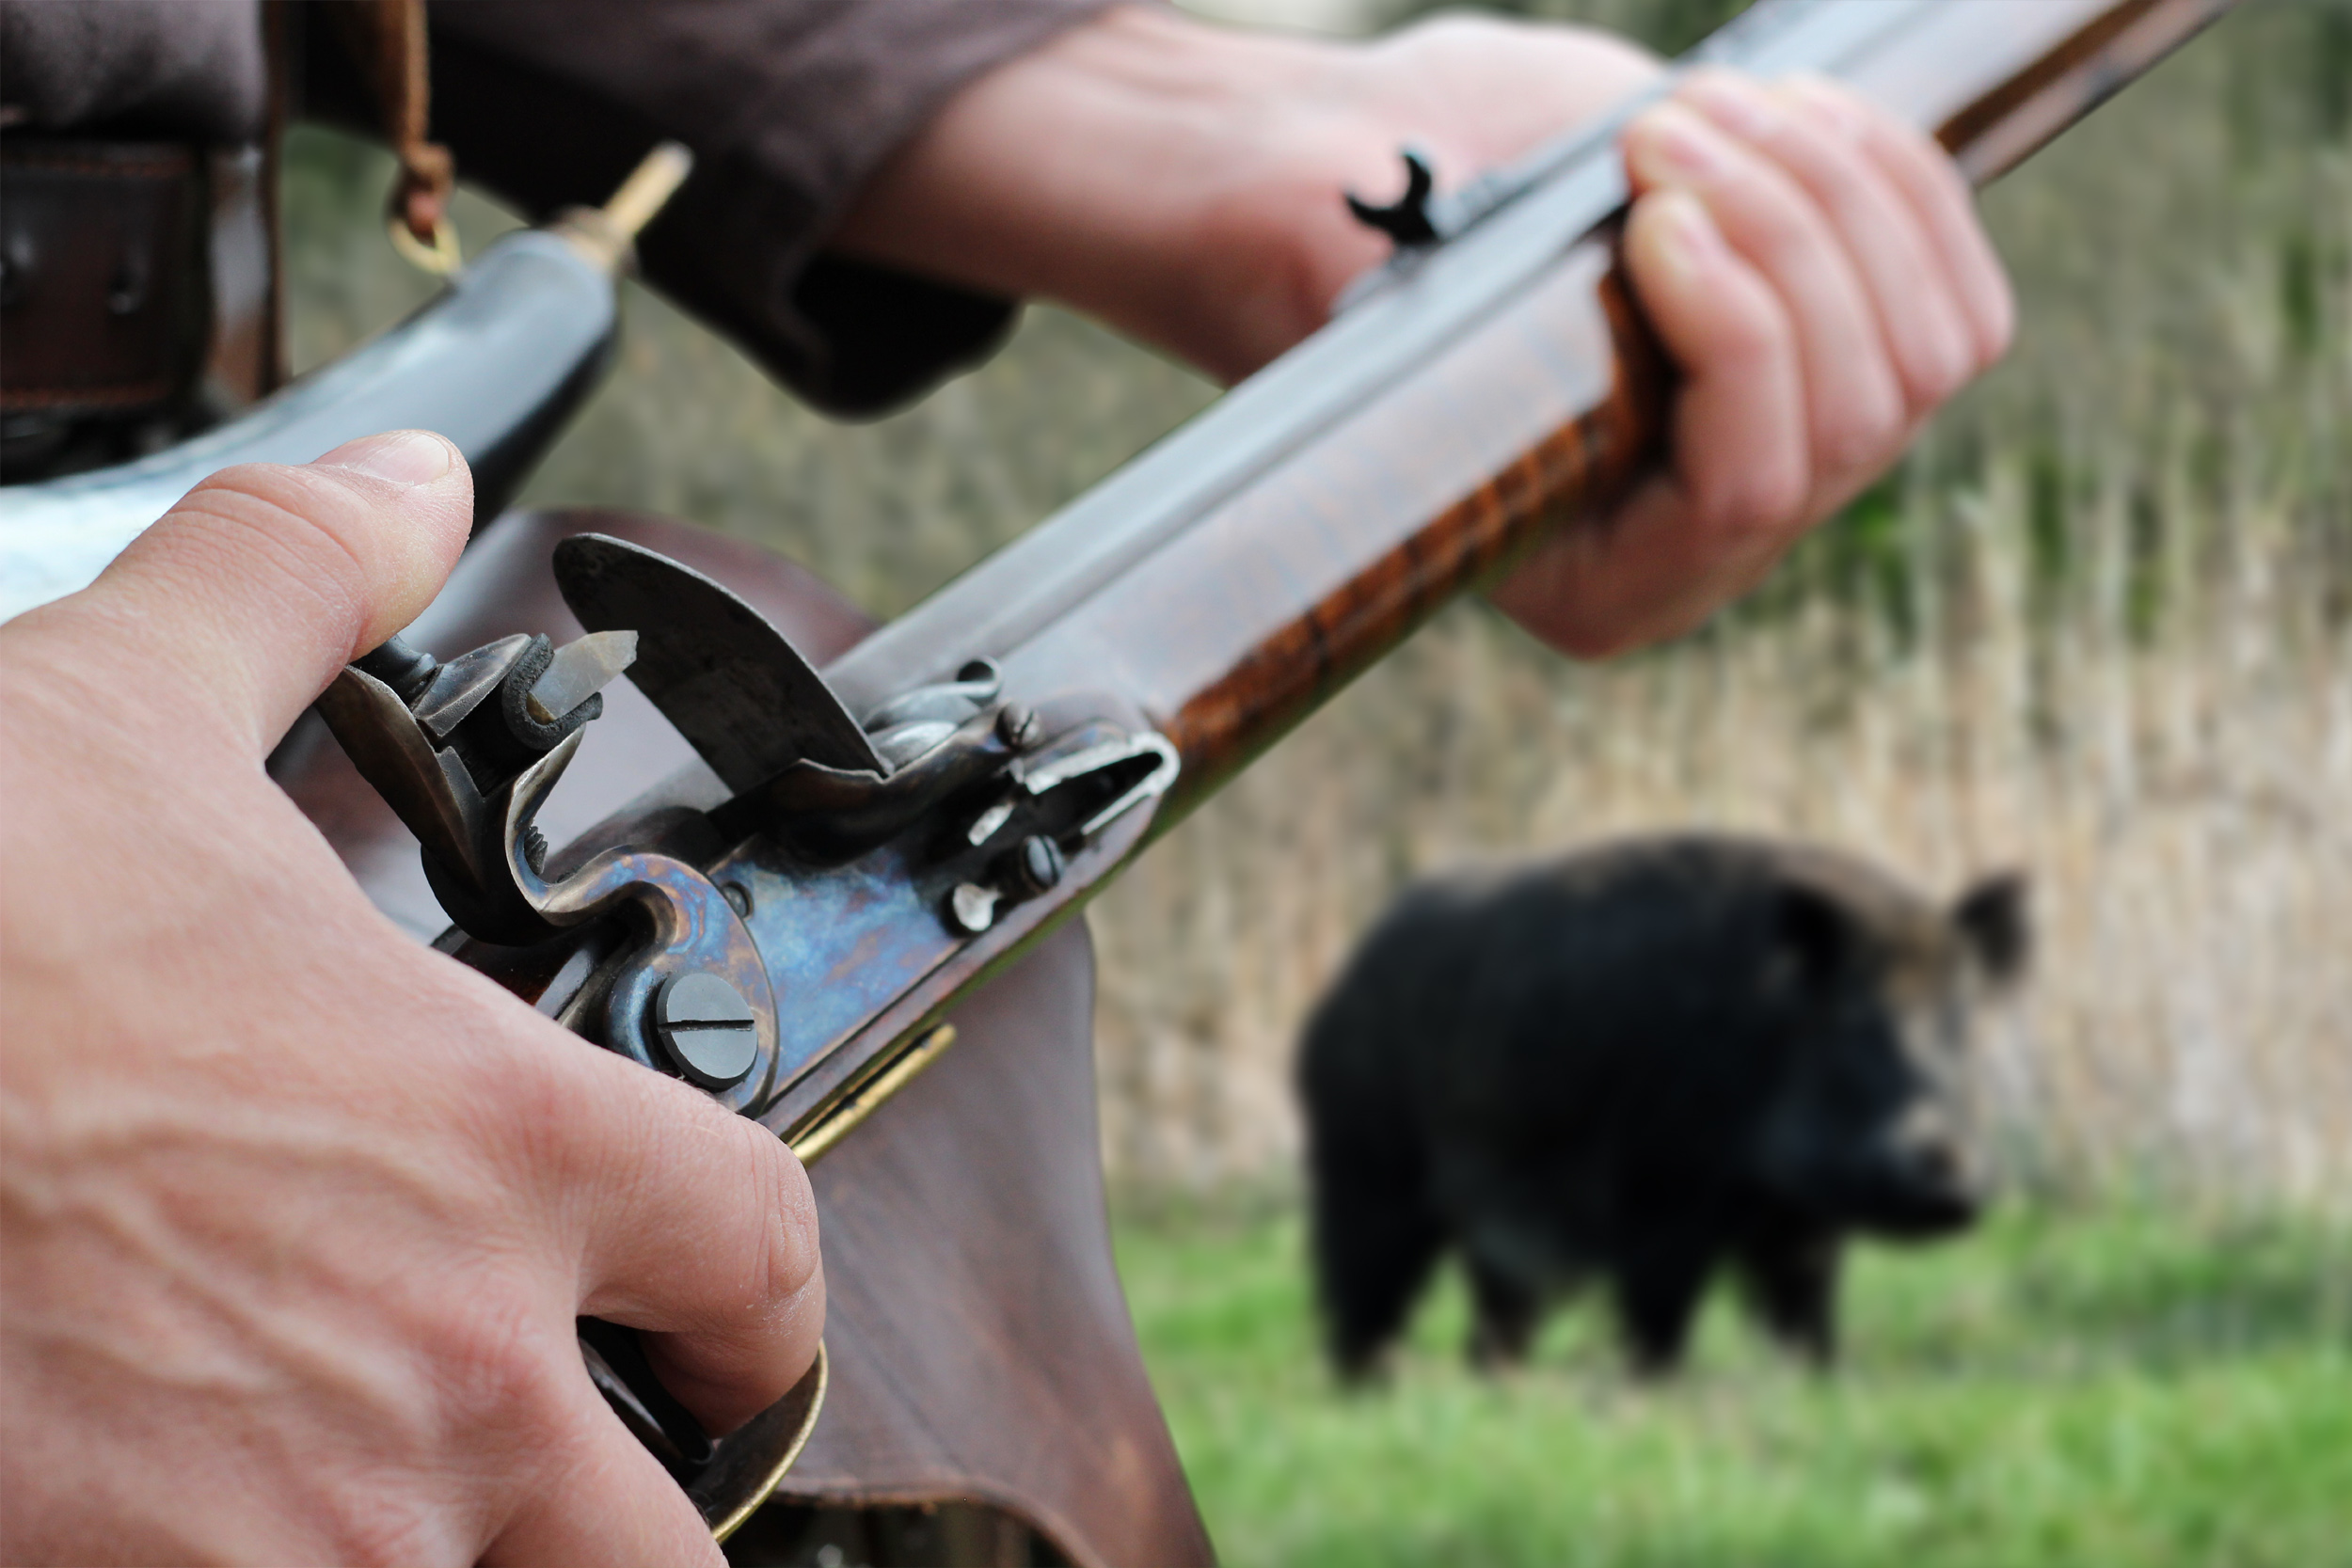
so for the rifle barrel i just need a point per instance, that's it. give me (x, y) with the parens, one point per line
(1480, 393)
(1482, 390)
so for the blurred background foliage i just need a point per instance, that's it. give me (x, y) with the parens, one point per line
(2097, 627)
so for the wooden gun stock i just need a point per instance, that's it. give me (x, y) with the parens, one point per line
(1486, 388)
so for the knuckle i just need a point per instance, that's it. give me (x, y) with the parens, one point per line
(1774, 501)
(1785, 237)
(1839, 178)
(1758, 506)
(559, 1117)
(1862, 434)
(1997, 324)
(492, 1364)
(1904, 145)
(268, 515)
(779, 1257)
(1787, 229)
(548, 1121)
(1455, 30)
(1959, 368)
(1758, 340)
(1940, 168)
(751, 1207)
(1740, 330)
(1940, 363)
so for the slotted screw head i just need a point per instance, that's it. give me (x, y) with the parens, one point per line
(1019, 727)
(707, 1028)
(1041, 863)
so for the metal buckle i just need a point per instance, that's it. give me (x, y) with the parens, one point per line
(441, 258)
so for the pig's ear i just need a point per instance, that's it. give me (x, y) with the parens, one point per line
(1995, 919)
(1818, 938)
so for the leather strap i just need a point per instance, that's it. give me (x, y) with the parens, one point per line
(387, 38)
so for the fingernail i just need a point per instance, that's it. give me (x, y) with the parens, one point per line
(1677, 138)
(1827, 104)
(401, 456)
(1734, 102)
(1689, 232)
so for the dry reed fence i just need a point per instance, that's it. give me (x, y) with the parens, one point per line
(2097, 631)
(2180, 804)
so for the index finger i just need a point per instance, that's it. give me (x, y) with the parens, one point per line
(694, 1224)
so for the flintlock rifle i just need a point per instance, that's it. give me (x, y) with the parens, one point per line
(787, 923)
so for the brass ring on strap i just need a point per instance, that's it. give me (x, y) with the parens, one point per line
(441, 258)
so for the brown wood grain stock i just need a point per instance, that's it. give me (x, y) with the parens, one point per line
(2008, 126)
(1544, 412)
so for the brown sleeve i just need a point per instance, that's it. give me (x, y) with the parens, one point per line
(788, 106)
(154, 69)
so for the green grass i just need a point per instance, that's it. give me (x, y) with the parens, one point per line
(2104, 1388)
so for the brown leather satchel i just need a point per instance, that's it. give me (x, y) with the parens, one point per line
(139, 280)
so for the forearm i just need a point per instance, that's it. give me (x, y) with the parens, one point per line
(1183, 181)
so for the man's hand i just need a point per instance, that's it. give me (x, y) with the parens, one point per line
(1815, 270)
(296, 1215)
(1814, 267)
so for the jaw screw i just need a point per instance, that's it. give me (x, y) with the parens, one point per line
(401, 665)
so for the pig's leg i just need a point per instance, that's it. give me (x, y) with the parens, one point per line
(1660, 1282)
(1376, 1239)
(1507, 1309)
(1792, 1286)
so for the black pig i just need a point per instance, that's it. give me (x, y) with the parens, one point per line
(1637, 1062)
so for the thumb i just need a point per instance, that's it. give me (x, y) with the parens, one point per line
(246, 597)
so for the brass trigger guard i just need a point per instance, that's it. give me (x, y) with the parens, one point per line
(748, 1463)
